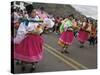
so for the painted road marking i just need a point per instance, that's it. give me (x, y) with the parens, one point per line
(62, 59)
(66, 57)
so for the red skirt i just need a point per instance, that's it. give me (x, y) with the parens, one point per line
(66, 38)
(83, 36)
(30, 49)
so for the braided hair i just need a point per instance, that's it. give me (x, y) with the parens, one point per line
(29, 9)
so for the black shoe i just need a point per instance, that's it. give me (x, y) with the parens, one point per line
(66, 52)
(81, 46)
(18, 62)
(62, 51)
(23, 68)
(32, 69)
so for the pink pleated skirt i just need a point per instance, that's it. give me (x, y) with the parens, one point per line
(83, 36)
(66, 38)
(30, 49)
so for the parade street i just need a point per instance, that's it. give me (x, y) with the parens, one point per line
(53, 60)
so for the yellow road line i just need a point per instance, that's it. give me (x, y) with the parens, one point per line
(65, 61)
(68, 58)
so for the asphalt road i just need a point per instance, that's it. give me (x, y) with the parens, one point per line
(78, 59)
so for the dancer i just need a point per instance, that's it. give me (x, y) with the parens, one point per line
(67, 35)
(28, 42)
(83, 34)
(92, 35)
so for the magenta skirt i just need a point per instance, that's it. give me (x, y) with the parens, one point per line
(30, 49)
(67, 37)
(83, 36)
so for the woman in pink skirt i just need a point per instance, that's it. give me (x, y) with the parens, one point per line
(28, 46)
(84, 32)
(67, 34)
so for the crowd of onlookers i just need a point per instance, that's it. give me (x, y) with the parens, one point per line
(17, 15)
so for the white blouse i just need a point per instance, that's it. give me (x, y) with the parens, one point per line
(23, 30)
